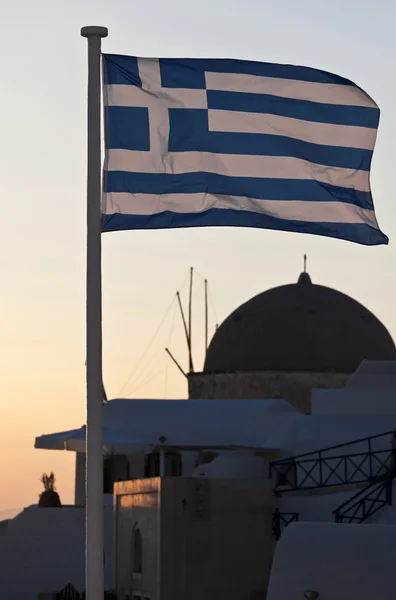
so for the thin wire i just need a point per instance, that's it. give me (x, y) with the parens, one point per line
(166, 379)
(212, 305)
(200, 275)
(147, 376)
(198, 290)
(153, 371)
(186, 280)
(148, 368)
(149, 380)
(138, 364)
(147, 348)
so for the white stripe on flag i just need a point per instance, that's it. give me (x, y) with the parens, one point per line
(329, 93)
(162, 98)
(308, 131)
(235, 165)
(295, 210)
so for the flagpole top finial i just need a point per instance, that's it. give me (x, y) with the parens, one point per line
(94, 30)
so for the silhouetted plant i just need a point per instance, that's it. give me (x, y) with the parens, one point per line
(49, 498)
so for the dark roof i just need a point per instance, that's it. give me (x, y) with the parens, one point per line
(299, 327)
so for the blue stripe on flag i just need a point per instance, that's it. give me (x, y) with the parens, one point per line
(317, 112)
(189, 131)
(190, 72)
(362, 234)
(127, 128)
(250, 187)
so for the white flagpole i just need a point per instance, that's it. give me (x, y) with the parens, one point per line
(94, 547)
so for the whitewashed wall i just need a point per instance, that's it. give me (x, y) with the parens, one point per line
(340, 562)
(355, 401)
(43, 550)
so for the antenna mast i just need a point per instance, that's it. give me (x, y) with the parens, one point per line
(190, 323)
(206, 316)
(183, 317)
(175, 361)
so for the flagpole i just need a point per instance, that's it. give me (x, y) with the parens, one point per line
(94, 547)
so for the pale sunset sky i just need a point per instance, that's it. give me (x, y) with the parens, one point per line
(43, 198)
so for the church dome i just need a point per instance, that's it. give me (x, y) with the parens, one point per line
(299, 327)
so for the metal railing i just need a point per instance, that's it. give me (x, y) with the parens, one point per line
(326, 468)
(366, 502)
(68, 593)
(280, 520)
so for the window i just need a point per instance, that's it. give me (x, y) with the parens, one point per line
(137, 553)
(152, 465)
(173, 464)
(115, 468)
(107, 476)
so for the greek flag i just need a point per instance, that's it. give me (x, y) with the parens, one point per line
(217, 142)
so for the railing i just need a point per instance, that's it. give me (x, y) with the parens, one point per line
(280, 520)
(324, 468)
(366, 502)
(68, 593)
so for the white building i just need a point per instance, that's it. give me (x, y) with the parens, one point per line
(318, 462)
(319, 472)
